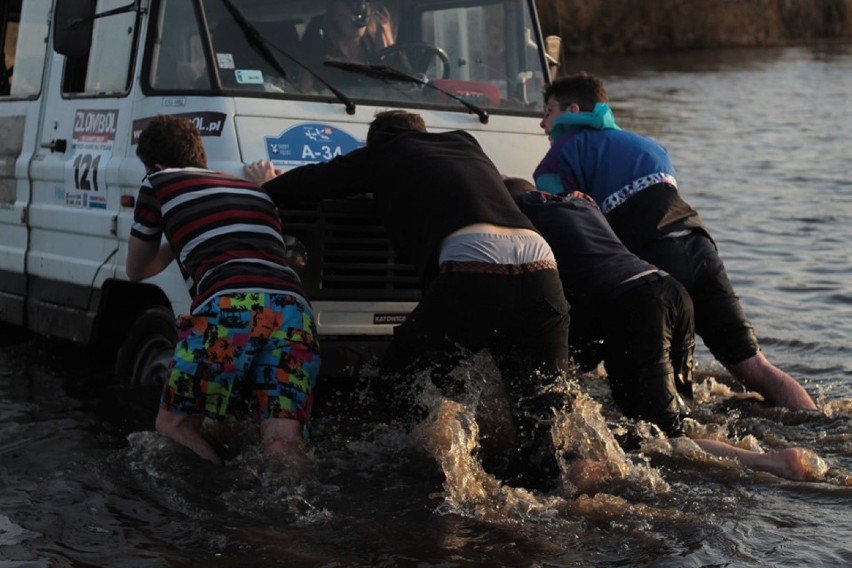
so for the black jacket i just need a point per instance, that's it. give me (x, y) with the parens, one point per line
(425, 185)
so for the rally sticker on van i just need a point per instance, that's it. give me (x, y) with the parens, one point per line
(309, 143)
(91, 147)
(207, 123)
(249, 76)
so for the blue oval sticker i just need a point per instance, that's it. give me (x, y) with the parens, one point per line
(309, 143)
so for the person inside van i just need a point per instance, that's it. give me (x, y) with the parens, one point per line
(350, 31)
(250, 330)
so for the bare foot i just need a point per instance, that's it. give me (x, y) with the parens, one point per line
(792, 463)
(783, 463)
(800, 465)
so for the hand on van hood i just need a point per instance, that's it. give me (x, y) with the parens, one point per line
(261, 171)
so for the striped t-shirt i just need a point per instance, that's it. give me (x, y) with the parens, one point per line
(224, 231)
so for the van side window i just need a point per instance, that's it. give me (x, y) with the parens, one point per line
(24, 39)
(178, 61)
(107, 69)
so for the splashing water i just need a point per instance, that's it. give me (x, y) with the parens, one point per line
(584, 434)
(592, 482)
(250, 484)
(599, 480)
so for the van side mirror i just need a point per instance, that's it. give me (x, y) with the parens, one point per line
(553, 54)
(72, 27)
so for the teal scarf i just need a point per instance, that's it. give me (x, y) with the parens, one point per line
(601, 118)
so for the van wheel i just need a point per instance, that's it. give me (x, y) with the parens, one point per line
(146, 353)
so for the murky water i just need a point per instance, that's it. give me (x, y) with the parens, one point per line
(761, 141)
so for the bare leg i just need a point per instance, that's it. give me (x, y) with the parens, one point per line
(788, 463)
(282, 438)
(186, 430)
(776, 386)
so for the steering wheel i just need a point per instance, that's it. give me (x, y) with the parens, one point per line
(415, 59)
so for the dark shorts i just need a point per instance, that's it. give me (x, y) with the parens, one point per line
(256, 345)
(648, 342)
(719, 319)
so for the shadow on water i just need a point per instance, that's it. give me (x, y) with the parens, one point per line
(86, 483)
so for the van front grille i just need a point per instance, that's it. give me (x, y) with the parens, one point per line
(349, 256)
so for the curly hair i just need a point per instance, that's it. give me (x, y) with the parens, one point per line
(395, 119)
(584, 89)
(172, 142)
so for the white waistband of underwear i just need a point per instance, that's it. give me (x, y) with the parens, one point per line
(496, 248)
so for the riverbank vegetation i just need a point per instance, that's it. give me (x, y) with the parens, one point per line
(605, 27)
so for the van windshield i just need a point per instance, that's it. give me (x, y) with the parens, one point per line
(485, 51)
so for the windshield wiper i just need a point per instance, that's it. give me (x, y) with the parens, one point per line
(260, 44)
(391, 74)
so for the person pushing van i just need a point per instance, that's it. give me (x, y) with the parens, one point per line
(250, 326)
(489, 278)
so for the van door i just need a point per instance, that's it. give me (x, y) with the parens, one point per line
(23, 37)
(75, 199)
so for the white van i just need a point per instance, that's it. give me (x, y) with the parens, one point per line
(82, 77)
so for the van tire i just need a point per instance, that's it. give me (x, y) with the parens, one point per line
(147, 350)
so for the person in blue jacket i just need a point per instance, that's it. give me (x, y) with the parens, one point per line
(633, 181)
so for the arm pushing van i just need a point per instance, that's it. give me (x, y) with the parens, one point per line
(80, 79)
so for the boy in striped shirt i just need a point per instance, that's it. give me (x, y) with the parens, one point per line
(250, 327)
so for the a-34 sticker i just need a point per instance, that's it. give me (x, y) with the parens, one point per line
(309, 143)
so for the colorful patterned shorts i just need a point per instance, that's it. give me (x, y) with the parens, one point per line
(253, 346)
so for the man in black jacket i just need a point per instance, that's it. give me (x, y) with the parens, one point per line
(489, 278)
(643, 316)
(626, 312)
